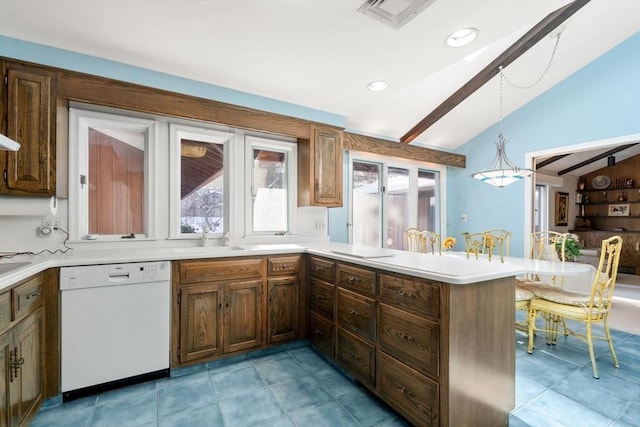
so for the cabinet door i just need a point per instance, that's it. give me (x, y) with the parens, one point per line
(283, 315)
(200, 322)
(26, 389)
(30, 170)
(5, 378)
(243, 318)
(327, 166)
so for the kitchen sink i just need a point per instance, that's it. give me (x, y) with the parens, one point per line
(10, 266)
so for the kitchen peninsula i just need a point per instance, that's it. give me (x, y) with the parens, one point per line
(431, 335)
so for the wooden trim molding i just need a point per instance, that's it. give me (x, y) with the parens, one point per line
(352, 141)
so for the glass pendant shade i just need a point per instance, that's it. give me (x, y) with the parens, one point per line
(502, 172)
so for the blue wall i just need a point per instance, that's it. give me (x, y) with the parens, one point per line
(602, 100)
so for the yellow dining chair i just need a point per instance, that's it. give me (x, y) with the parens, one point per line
(502, 239)
(593, 308)
(431, 241)
(479, 243)
(414, 240)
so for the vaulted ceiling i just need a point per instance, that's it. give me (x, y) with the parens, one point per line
(321, 54)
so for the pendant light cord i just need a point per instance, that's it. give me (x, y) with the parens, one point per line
(544, 73)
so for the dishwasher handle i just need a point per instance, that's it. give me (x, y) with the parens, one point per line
(118, 277)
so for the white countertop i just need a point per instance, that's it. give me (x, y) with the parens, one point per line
(446, 267)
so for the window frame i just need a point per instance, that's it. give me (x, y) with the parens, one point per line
(80, 120)
(290, 149)
(204, 133)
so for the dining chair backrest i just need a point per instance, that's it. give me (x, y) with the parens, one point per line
(548, 245)
(502, 240)
(606, 276)
(414, 240)
(431, 241)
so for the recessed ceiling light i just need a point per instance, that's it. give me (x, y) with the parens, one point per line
(462, 37)
(377, 85)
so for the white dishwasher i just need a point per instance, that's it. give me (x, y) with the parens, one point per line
(115, 325)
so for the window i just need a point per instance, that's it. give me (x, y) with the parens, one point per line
(387, 198)
(110, 190)
(271, 188)
(198, 180)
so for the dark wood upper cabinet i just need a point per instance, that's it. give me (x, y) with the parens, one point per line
(320, 168)
(28, 118)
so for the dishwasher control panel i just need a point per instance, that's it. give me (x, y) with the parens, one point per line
(89, 276)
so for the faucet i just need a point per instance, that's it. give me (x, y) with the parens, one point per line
(225, 239)
(204, 238)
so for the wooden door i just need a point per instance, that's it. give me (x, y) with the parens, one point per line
(242, 315)
(5, 377)
(200, 321)
(30, 170)
(283, 315)
(26, 389)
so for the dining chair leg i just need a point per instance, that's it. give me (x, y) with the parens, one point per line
(610, 341)
(531, 322)
(591, 353)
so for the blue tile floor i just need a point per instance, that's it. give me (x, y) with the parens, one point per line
(293, 386)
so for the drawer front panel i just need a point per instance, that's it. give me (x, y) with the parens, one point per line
(5, 309)
(283, 265)
(26, 295)
(321, 297)
(321, 333)
(414, 395)
(411, 339)
(417, 297)
(357, 279)
(213, 270)
(357, 356)
(322, 269)
(357, 314)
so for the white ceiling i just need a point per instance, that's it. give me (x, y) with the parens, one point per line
(322, 53)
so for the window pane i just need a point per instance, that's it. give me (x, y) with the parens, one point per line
(116, 182)
(398, 216)
(366, 204)
(201, 186)
(270, 197)
(427, 206)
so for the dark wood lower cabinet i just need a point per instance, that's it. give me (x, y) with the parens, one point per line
(321, 333)
(242, 315)
(200, 322)
(283, 318)
(414, 395)
(357, 356)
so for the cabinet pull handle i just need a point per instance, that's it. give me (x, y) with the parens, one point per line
(220, 301)
(14, 363)
(321, 297)
(402, 293)
(34, 294)
(354, 356)
(226, 301)
(405, 336)
(318, 332)
(352, 279)
(353, 312)
(319, 268)
(402, 389)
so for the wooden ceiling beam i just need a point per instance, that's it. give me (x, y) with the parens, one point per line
(550, 160)
(595, 159)
(524, 43)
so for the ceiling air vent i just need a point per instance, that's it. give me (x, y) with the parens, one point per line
(394, 13)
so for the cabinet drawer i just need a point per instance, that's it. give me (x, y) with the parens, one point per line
(357, 356)
(412, 339)
(322, 269)
(357, 314)
(209, 271)
(414, 395)
(321, 296)
(26, 295)
(5, 310)
(417, 297)
(357, 279)
(283, 265)
(321, 333)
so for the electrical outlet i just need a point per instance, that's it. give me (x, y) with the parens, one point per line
(464, 217)
(51, 221)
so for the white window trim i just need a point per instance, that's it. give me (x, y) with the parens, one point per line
(79, 122)
(413, 167)
(291, 151)
(204, 134)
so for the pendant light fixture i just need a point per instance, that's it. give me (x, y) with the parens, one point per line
(502, 171)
